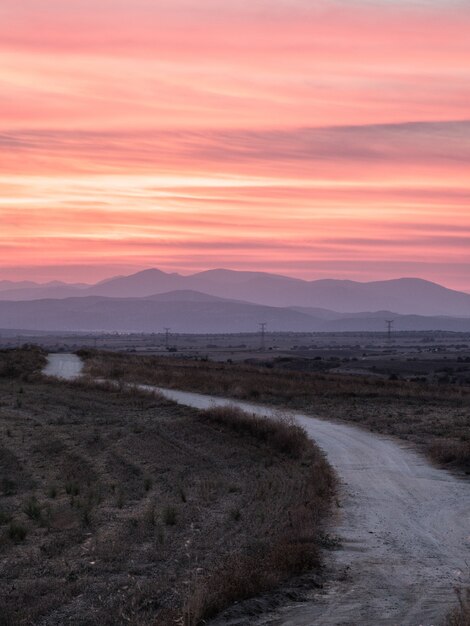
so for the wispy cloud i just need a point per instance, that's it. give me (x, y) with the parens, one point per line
(307, 137)
(434, 144)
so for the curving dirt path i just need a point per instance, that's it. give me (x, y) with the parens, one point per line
(65, 366)
(404, 526)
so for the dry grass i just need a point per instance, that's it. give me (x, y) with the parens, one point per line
(281, 434)
(243, 576)
(434, 417)
(294, 544)
(460, 616)
(120, 507)
(23, 363)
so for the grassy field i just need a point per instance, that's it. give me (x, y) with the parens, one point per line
(119, 507)
(434, 417)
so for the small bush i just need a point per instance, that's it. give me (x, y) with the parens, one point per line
(52, 492)
(33, 510)
(450, 452)
(8, 487)
(460, 616)
(149, 516)
(169, 515)
(182, 493)
(4, 518)
(72, 488)
(235, 515)
(17, 532)
(86, 517)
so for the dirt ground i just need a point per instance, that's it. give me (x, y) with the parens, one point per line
(115, 506)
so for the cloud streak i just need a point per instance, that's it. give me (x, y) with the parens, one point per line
(306, 137)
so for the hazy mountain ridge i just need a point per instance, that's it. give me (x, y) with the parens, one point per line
(405, 296)
(195, 312)
(148, 315)
(30, 290)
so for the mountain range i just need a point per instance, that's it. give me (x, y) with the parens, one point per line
(195, 312)
(402, 295)
(226, 301)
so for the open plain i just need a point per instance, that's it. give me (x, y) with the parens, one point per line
(118, 506)
(402, 523)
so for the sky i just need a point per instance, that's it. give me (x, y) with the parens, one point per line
(326, 138)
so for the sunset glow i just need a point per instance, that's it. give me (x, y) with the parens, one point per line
(311, 138)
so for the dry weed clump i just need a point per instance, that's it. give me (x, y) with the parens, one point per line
(243, 576)
(281, 433)
(460, 616)
(22, 363)
(448, 451)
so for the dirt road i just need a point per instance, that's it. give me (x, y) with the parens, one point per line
(404, 526)
(65, 366)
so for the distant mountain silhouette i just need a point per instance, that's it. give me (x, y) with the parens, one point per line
(187, 295)
(412, 296)
(27, 290)
(195, 312)
(7, 285)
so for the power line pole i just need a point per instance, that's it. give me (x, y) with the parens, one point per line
(389, 329)
(262, 326)
(167, 337)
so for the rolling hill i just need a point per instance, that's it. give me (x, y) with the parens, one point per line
(405, 296)
(195, 312)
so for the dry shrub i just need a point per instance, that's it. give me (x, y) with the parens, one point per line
(450, 452)
(243, 576)
(460, 616)
(280, 433)
(22, 363)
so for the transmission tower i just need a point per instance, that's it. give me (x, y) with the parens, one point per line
(167, 337)
(389, 329)
(262, 326)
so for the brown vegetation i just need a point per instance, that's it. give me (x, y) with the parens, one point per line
(434, 417)
(460, 616)
(22, 363)
(120, 507)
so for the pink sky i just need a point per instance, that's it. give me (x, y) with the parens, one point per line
(315, 139)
